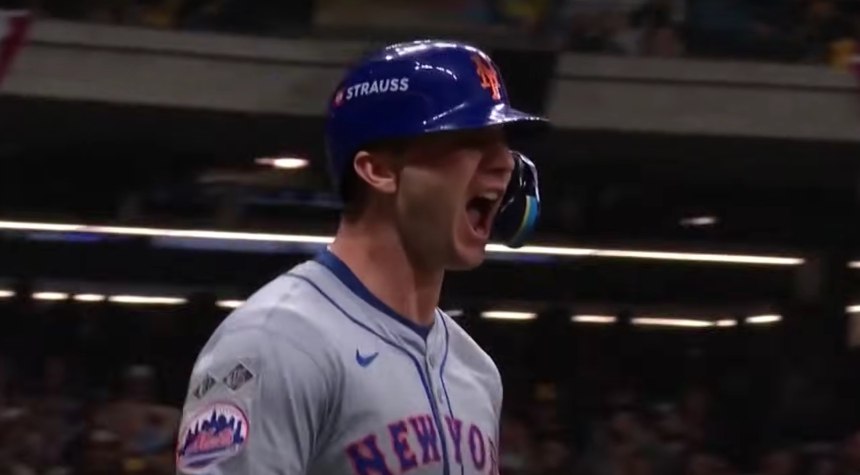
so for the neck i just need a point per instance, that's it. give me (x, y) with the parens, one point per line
(376, 255)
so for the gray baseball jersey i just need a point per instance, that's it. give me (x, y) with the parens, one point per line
(316, 376)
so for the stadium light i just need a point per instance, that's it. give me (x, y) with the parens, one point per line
(604, 319)
(698, 221)
(230, 303)
(146, 300)
(508, 315)
(672, 322)
(658, 321)
(50, 296)
(550, 251)
(726, 322)
(284, 163)
(763, 319)
(89, 298)
(455, 313)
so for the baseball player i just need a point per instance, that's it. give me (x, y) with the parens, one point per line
(344, 365)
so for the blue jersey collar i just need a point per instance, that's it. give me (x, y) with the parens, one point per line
(337, 267)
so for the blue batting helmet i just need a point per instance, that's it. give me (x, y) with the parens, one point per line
(429, 86)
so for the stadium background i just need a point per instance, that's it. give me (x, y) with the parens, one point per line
(690, 309)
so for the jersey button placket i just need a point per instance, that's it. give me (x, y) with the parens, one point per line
(435, 389)
(436, 385)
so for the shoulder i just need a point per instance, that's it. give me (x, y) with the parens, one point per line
(308, 299)
(271, 373)
(291, 307)
(282, 323)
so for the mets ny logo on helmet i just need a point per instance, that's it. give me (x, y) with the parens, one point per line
(489, 77)
(371, 87)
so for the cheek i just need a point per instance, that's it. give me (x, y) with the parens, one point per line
(430, 193)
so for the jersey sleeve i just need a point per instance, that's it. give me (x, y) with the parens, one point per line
(258, 402)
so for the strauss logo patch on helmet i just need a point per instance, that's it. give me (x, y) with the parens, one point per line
(369, 88)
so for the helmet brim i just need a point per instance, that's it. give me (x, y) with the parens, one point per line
(514, 121)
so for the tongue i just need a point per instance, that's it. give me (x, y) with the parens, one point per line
(474, 218)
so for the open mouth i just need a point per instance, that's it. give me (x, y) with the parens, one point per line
(480, 211)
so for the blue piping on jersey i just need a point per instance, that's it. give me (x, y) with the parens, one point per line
(446, 470)
(442, 379)
(340, 270)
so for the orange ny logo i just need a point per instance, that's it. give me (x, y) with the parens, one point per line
(489, 78)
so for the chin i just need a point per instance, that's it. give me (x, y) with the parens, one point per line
(468, 259)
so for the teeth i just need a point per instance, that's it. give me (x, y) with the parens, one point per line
(492, 196)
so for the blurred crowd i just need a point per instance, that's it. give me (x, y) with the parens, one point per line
(809, 31)
(94, 388)
(83, 393)
(59, 427)
(817, 31)
(264, 17)
(696, 434)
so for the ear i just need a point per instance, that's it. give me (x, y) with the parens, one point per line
(376, 170)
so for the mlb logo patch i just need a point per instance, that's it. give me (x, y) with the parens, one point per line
(215, 433)
(204, 387)
(238, 376)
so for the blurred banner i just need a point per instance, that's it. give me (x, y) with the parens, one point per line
(14, 26)
(295, 77)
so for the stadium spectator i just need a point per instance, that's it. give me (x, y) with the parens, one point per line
(102, 455)
(850, 463)
(617, 444)
(143, 426)
(672, 439)
(707, 463)
(554, 456)
(515, 446)
(779, 461)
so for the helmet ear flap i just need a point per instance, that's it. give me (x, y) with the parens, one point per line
(520, 208)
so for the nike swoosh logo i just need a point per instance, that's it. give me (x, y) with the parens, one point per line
(365, 361)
